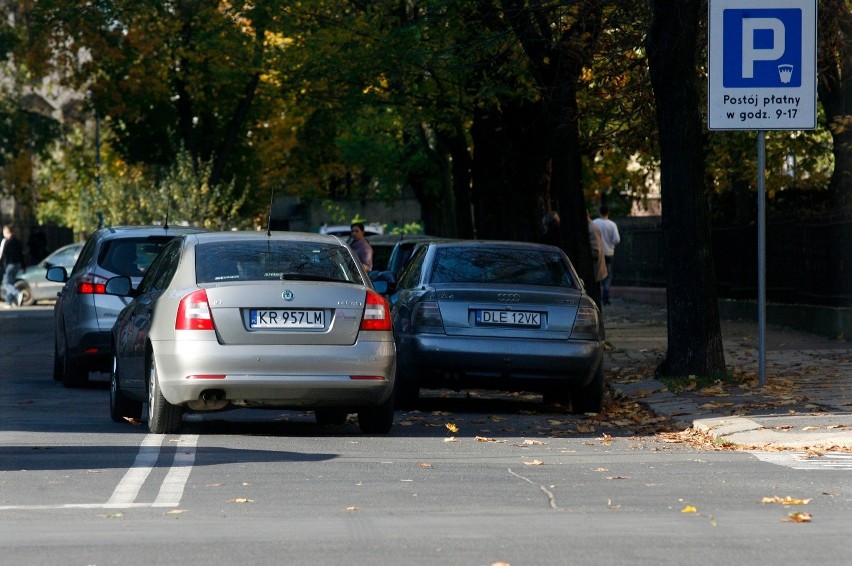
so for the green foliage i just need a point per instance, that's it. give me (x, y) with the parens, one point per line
(71, 195)
(327, 99)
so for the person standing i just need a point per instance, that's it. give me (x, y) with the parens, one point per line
(596, 243)
(12, 259)
(609, 233)
(362, 248)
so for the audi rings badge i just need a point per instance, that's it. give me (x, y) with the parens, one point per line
(508, 297)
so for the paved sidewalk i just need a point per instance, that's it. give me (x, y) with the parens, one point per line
(805, 404)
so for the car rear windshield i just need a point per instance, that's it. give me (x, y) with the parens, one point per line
(262, 260)
(131, 256)
(500, 265)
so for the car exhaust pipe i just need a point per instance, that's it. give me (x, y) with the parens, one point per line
(209, 400)
(212, 395)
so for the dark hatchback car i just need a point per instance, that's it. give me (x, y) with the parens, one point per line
(497, 315)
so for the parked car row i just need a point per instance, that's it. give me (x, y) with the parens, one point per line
(205, 321)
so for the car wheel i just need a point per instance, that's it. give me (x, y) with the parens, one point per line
(57, 363)
(377, 420)
(334, 417)
(589, 398)
(25, 293)
(163, 417)
(120, 406)
(406, 391)
(73, 373)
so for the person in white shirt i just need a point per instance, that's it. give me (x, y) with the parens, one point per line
(609, 232)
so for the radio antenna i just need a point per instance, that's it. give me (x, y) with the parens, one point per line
(269, 218)
(168, 205)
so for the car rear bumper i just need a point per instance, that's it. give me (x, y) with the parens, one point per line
(492, 362)
(278, 376)
(93, 350)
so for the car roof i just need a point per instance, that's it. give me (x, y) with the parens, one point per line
(111, 232)
(246, 235)
(493, 244)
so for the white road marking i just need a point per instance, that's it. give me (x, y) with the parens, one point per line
(125, 494)
(803, 461)
(129, 486)
(172, 489)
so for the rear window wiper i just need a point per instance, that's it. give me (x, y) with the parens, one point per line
(293, 276)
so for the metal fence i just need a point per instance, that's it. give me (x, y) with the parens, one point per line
(808, 258)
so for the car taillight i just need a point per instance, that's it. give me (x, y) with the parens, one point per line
(91, 285)
(427, 317)
(586, 324)
(194, 312)
(376, 313)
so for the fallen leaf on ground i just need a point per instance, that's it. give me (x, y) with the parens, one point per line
(452, 427)
(810, 428)
(785, 500)
(798, 518)
(689, 509)
(132, 421)
(352, 508)
(241, 500)
(451, 439)
(175, 512)
(533, 463)
(535, 442)
(424, 465)
(485, 439)
(618, 477)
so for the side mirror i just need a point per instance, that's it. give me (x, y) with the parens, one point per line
(56, 274)
(121, 286)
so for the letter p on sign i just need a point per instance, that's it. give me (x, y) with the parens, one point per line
(752, 51)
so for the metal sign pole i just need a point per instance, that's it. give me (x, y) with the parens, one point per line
(761, 257)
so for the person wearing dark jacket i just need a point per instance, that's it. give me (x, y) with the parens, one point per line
(12, 259)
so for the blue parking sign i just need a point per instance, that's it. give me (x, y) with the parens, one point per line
(762, 48)
(761, 64)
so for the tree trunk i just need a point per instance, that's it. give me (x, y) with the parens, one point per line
(694, 332)
(835, 91)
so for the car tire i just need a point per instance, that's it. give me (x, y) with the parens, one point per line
(589, 398)
(73, 373)
(406, 391)
(25, 293)
(163, 417)
(333, 417)
(378, 419)
(120, 406)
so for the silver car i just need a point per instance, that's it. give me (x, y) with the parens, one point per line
(32, 284)
(249, 319)
(497, 315)
(84, 313)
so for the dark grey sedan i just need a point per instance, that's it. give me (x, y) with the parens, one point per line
(497, 315)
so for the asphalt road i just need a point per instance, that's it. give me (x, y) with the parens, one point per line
(517, 483)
